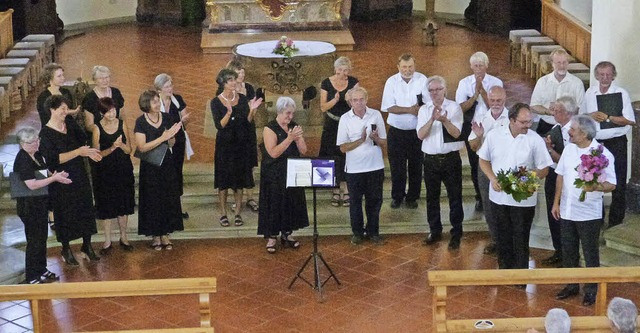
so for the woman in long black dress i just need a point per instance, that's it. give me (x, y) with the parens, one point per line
(174, 105)
(159, 194)
(32, 210)
(101, 75)
(283, 209)
(333, 103)
(113, 176)
(232, 115)
(63, 146)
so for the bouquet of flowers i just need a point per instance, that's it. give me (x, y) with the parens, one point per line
(591, 169)
(520, 183)
(285, 47)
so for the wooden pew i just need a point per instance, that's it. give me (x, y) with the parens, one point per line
(46, 292)
(566, 30)
(440, 280)
(6, 32)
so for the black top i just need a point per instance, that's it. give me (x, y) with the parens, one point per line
(90, 102)
(26, 167)
(45, 115)
(341, 106)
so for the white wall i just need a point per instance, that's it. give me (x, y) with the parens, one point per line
(444, 6)
(581, 9)
(81, 11)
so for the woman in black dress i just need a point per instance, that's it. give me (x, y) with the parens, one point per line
(249, 92)
(113, 176)
(32, 210)
(53, 76)
(333, 103)
(101, 75)
(159, 194)
(174, 105)
(232, 116)
(62, 145)
(283, 209)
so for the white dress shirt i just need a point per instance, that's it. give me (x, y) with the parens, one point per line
(506, 152)
(548, 90)
(590, 105)
(434, 143)
(404, 94)
(467, 88)
(570, 207)
(489, 123)
(367, 156)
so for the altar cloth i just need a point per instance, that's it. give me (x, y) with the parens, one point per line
(264, 49)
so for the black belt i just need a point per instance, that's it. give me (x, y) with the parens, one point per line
(442, 156)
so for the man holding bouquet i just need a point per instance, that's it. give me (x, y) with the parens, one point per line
(590, 165)
(509, 151)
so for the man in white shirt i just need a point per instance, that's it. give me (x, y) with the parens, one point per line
(361, 136)
(402, 97)
(438, 126)
(581, 220)
(612, 132)
(497, 116)
(472, 97)
(507, 148)
(553, 86)
(557, 138)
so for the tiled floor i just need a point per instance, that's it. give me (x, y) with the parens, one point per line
(384, 289)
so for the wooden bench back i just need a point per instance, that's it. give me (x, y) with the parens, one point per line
(6, 32)
(567, 31)
(36, 293)
(440, 280)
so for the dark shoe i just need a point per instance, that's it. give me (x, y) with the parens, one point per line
(48, 277)
(377, 239)
(346, 200)
(67, 256)
(490, 249)
(336, 201)
(432, 239)
(412, 204)
(238, 221)
(479, 206)
(289, 242)
(454, 243)
(185, 216)
(589, 299)
(395, 204)
(567, 292)
(224, 221)
(357, 239)
(106, 250)
(271, 245)
(521, 286)
(253, 205)
(126, 247)
(89, 253)
(554, 260)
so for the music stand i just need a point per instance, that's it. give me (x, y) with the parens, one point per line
(321, 174)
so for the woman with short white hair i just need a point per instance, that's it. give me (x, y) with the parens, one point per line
(101, 76)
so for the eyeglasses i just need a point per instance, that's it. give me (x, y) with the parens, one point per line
(435, 90)
(34, 141)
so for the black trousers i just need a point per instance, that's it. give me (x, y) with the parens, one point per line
(618, 148)
(405, 158)
(369, 186)
(35, 230)
(473, 163)
(447, 169)
(514, 227)
(586, 233)
(554, 225)
(484, 184)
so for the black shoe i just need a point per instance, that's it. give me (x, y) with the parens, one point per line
(454, 243)
(432, 239)
(67, 256)
(48, 277)
(490, 249)
(395, 204)
(185, 216)
(357, 239)
(554, 260)
(89, 253)
(126, 247)
(568, 292)
(377, 239)
(106, 250)
(411, 204)
(589, 299)
(479, 206)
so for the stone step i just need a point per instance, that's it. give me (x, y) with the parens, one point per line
(611, 257)
(625, 237)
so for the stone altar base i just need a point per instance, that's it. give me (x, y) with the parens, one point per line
(223, 42)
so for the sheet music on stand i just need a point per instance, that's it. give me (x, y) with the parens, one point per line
(305, 172)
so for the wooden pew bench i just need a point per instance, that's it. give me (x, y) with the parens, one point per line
(202, 287)
(441, 280)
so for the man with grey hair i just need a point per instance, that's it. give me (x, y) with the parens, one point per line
(556, 321)
(438, 126)
(623, 315)
(563, 109)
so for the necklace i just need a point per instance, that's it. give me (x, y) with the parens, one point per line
(154, 122)
(60, 128)
(232, 98)
(101, 94)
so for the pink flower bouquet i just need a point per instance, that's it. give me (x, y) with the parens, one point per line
(591, 169)
(285, 47)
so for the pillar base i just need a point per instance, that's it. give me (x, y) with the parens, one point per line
(633, 198)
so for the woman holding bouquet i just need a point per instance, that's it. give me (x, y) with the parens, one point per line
(579, 209)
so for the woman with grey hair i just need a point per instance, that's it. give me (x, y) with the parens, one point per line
(32, 210)
(232, 116)
(556, 321)
(333, 104)
(101, 76)
(623, 315)
(580, 220)
(283, 209)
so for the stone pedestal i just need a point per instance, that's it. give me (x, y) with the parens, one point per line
(633, 187)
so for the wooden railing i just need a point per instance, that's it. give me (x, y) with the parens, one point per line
(6, 32)
(567, 31)
(45, 292)
(440, 280)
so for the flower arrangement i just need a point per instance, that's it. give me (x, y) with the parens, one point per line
(591, 169)
(520, 183)
(285, 47)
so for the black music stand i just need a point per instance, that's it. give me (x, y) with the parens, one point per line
(315, 254)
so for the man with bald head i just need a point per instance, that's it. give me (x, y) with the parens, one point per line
(484, 122)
